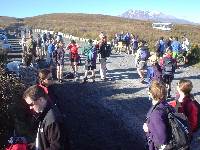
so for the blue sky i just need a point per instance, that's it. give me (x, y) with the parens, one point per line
(186, 9)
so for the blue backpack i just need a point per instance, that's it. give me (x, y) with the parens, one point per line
(144, 54)
(92, 54)
(161, 46)
(154, 73)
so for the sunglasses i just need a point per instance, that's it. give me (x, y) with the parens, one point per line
(49, 78)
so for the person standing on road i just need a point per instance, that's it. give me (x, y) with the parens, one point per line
(59, 56)
(39, 47)
(141, 58)
(156, 125)
(90, 63)
(168, 65)
(74, 56)
(185, 103)
(23, 44)
(176, 47)
(102, 54)
(51, 133)
(31, 49)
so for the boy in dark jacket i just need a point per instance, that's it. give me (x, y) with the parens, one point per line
(51, 134)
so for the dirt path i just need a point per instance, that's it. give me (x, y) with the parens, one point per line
(109, 115)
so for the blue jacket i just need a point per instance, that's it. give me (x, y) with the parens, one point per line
(157, 123)
(176, 46)
(51, 48)
(162, 46)
(154, 72)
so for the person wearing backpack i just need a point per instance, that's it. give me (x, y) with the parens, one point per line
(50, 50)
(59, 60)
(90, 63)
(134, 42)
(30, 49)
(141, 59)
(127, 41)
(44, 44)
(39, 47)
(74, 56)
(160, 46)
(168, 65)
(154, 71)
(156, 125)
(51, 58)
(186, 103)
(176, 47)
(164, 129)
(101, 50)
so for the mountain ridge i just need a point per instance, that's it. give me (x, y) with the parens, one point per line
(157, 16)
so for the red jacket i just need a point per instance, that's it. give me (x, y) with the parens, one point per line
(189, 108)
(73, 48)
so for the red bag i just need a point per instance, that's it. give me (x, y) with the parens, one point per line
(17, 146)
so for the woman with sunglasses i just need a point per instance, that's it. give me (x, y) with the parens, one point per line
(51, 129)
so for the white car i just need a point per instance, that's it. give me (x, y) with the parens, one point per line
(4, 43)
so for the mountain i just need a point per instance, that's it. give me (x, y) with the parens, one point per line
(153, 16)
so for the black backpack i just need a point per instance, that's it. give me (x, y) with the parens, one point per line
(168, 66)
(180, 137)
(107, 50)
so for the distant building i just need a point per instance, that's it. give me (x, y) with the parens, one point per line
(162, 26)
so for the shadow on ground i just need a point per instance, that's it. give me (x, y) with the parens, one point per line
(98, 123)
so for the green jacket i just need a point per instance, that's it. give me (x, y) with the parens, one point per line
(87, 50)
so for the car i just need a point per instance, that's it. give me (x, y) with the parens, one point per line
(4, 45)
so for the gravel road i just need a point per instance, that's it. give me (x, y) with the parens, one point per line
(108, 115)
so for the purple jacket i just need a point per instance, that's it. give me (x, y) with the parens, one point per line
(157, 123)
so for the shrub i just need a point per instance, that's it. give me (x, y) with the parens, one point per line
(14, 113)
(194, 54)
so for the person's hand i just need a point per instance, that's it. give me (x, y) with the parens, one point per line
(145, 127)
(162, 147)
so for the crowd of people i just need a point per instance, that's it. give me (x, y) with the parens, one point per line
(52, 49)
(157, 70)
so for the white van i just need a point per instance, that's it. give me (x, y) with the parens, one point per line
(162, 26)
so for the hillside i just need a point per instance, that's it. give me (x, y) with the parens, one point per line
(89, 25)
(7, 21)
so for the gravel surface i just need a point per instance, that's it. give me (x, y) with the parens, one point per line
(108, 115)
